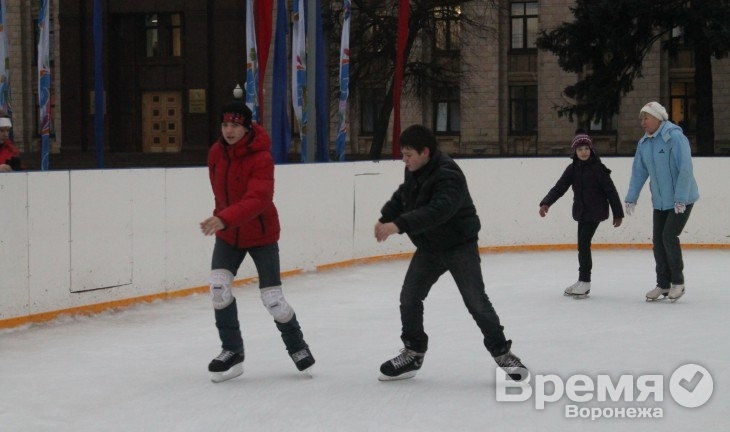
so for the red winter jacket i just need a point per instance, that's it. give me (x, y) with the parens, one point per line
(9, 155)
(242, 177)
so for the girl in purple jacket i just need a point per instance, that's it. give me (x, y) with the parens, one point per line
(593, 192)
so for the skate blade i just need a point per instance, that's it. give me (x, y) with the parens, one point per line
(307, 372)
(567, 294)
(233, 372)
(520, 378)
(403, 376)
(663, 297)
(581, 296)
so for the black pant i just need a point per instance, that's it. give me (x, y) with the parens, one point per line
(464, 264)
(668, 225)
(586, 230)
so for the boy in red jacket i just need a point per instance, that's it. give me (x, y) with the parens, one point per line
(245, 221)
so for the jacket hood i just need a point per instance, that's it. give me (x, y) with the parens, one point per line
(665, 130)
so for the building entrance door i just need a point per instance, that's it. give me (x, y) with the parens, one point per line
(161, 122)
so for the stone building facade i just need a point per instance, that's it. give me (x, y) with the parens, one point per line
(189, 53)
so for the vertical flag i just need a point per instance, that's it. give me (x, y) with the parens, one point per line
(252, 66)
(99, 106)
(299, 73)
(263, 11)
(280, 128)
(344, 81)
(44, 82)
(4, 62)
(310, 99)
(320, 89)
(403, 12)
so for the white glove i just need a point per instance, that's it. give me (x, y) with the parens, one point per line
(679, 207)
(630, 208)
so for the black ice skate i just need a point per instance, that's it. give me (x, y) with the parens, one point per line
(512, 366)
(227, 365)
(403, 366)
(303, 360)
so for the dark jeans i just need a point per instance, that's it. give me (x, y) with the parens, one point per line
(464, 264)
(266, 260)
(668, 225)
(586, 230)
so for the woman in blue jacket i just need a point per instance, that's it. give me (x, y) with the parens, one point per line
(663, 155)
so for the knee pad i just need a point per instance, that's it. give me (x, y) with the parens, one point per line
(275, 303)
(221, 282)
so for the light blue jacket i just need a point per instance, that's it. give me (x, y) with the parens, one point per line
(666, 160)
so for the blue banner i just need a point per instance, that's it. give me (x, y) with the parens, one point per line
(44, 83)
(280, 128)
(344, 82)
(299, 73)
(4, 62)
(252, 63)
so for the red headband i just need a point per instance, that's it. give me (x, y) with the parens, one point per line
(232, 117)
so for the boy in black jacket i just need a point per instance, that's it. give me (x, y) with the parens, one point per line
(434, 208)
(593, 190)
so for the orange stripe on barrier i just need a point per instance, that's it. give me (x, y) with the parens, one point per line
(119, 304)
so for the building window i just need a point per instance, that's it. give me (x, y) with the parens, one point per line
(371, 102)
(523, 26)
(447, 110)
(447, 34)
(683, 109)
(163, 34)
(523, 109)
(602, 124)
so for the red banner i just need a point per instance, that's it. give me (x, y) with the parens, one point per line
(403, 12)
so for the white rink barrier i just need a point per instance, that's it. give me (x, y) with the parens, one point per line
(82, 241)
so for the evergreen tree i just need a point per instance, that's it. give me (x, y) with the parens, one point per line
(607, 42)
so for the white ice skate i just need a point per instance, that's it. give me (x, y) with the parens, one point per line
(569, 291)
(675, 292)
(582, 290)
(658, 294)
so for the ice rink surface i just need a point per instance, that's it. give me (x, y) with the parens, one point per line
(144, 368)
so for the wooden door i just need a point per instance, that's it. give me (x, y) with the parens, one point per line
(161, 122)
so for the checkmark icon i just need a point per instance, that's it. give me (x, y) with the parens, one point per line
(691, 384)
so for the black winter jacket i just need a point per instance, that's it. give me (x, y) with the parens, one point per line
(593, 190)
(433, 206)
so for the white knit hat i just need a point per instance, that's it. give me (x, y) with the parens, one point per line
(656, 110)
(5, 122)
